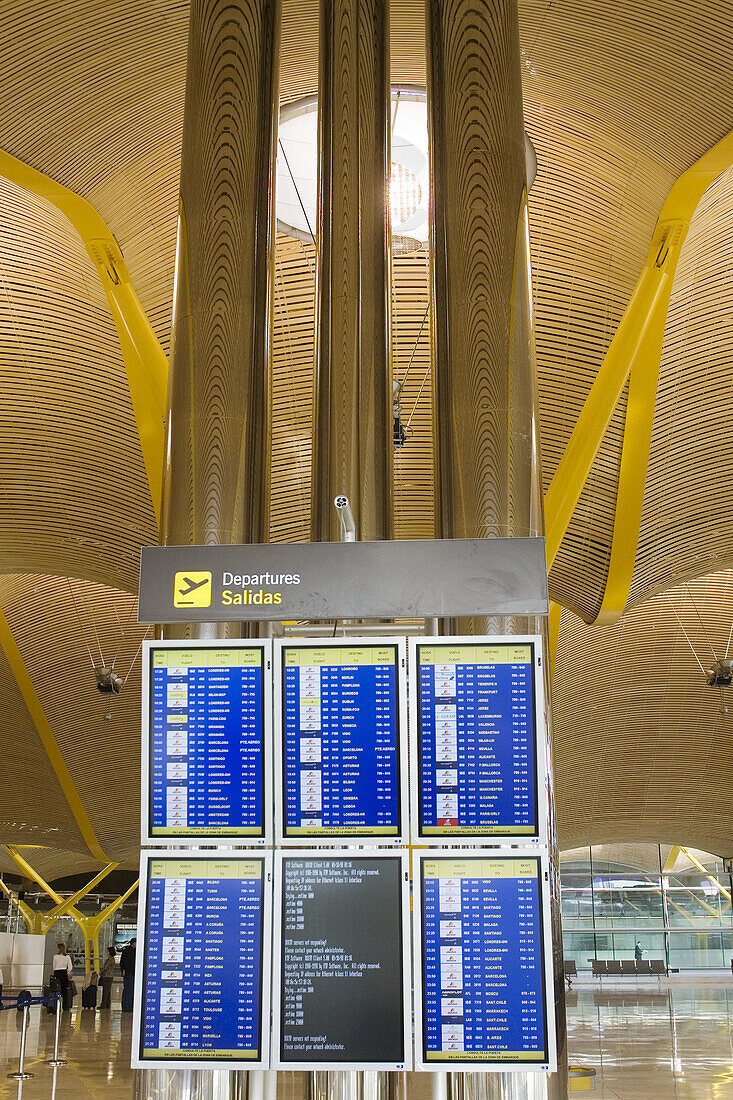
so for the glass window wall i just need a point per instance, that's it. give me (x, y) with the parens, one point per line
(614, 897)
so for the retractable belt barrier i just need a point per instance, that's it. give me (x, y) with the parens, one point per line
(22, 1002)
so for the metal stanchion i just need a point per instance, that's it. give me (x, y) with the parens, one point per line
(56, 1061)
(22, 1075)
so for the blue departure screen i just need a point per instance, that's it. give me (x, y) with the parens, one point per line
(202, 990)
(341, 741)
(482, 958)
(206, 741)
(476, 740)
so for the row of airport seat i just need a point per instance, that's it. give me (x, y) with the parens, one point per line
(614, 968)
(619, 968)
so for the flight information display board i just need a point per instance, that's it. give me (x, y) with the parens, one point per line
(203, 974)
(341, 721)
(342, 958)
(483, 947)
(477, 759)
(206, 740)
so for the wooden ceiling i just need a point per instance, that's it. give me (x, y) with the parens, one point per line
(619, 100)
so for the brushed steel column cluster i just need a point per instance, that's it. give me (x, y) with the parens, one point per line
(353, 432)
(217, 484)
(488, 470)
(484, 371)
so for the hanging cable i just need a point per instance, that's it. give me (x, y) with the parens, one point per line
(136, 655)
(679, 620)
(715, 656)
(133, 605)
(417, 341)
(729, 638)
(81, 625)
(425, 378)
(297, 192)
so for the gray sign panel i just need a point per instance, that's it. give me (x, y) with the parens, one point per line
(343, 580)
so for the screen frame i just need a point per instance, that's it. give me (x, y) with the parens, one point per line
(548, 997)
(146, 786)
(539, 837)
(277, 956)
(347, 837)
(193, 1062)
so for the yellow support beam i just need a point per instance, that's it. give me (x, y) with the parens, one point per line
(635, 354)
(31, 873)
(30, 916)
(91, 925)
(145, 361)
(671, 859)
(716, 883)
(65, 906)
(48, 740)
(554, 630)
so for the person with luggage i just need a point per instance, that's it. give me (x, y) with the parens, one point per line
(89, 990)
(106, 976)
(63, 968)
(127, 966)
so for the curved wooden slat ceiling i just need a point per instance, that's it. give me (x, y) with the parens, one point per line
(642, 750)
(63, 628)
(619, 100)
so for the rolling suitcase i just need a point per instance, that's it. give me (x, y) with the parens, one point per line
(89, 997)
(48, 990)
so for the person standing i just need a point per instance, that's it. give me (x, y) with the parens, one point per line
(127, 966)
(638, 950)
(106, 977)
(63, 968)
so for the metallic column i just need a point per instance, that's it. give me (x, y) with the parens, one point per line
(217, 473)
(353, 437)
(488, 482)
(216, 481)
(488, 469)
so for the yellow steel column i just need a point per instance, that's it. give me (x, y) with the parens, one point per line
(33, 920)
(48, 740)
(554, 632)
(634, 354)
(144, 359)
(70, 903)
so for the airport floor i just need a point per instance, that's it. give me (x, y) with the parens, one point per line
(671, 1040)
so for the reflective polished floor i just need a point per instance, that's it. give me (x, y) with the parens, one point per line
(655, 1041)
(646, 1040)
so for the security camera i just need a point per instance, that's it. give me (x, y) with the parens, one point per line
(108, 682)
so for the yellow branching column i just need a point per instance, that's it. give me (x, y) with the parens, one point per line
(488, 461)
(353, 443)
